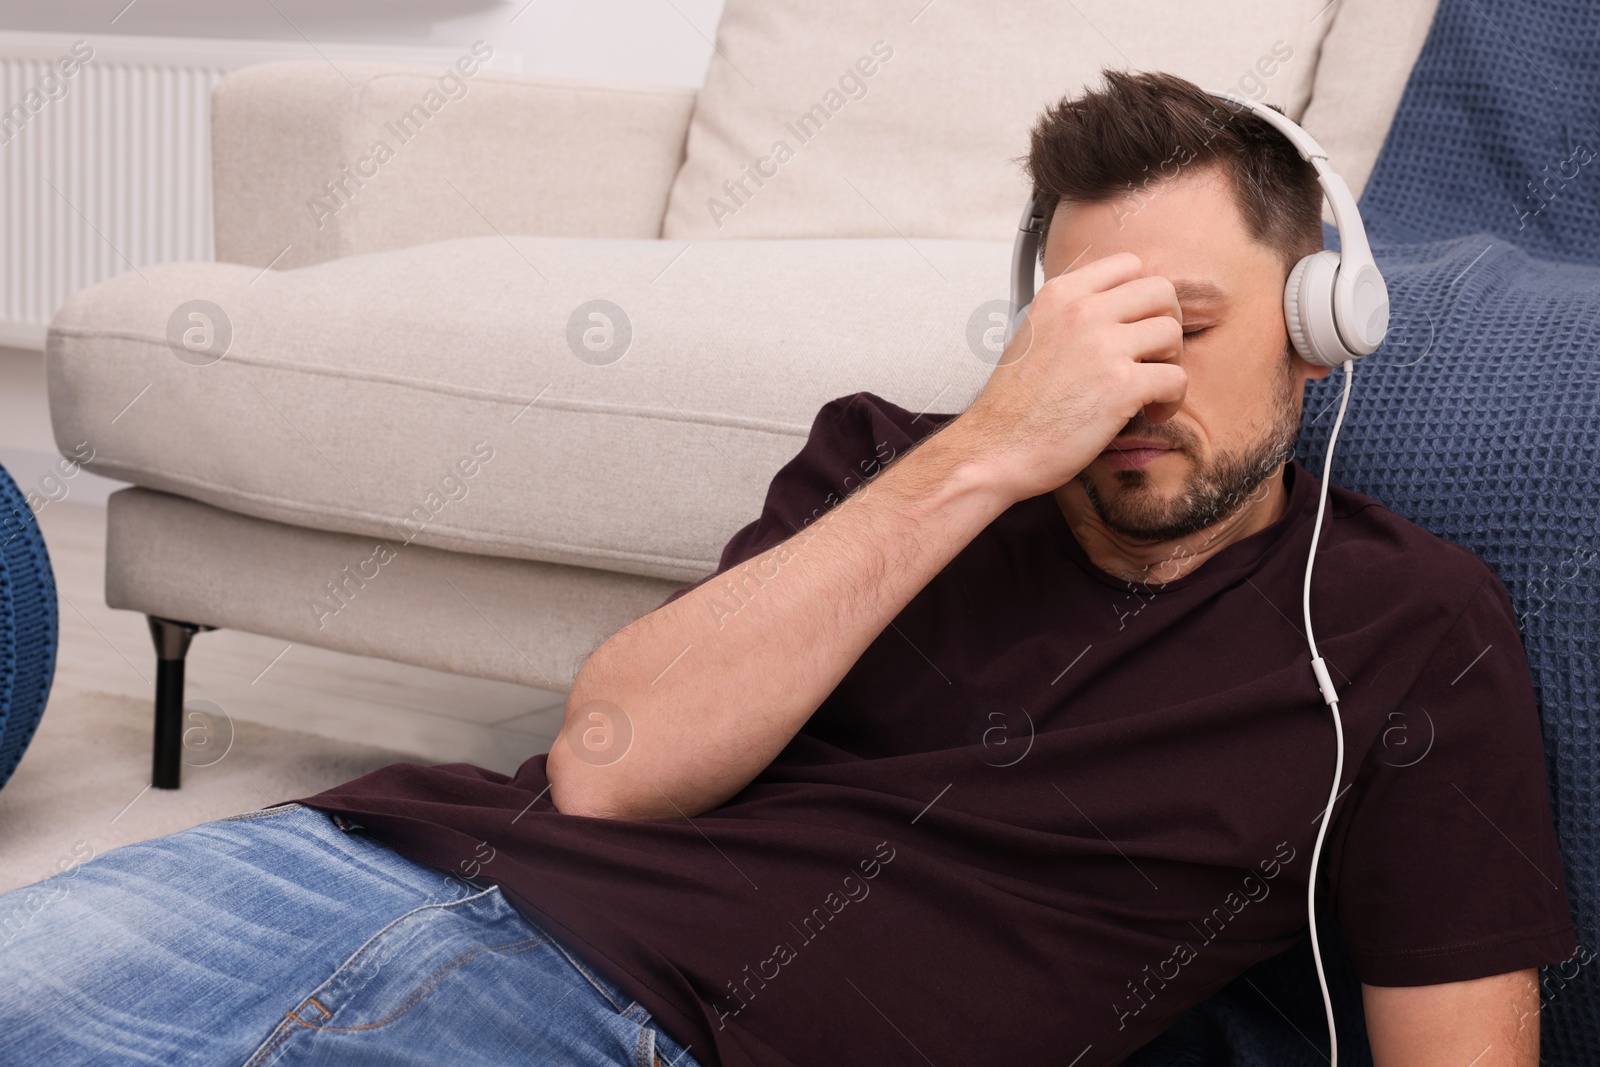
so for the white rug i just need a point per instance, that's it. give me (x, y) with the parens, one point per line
(83, 784)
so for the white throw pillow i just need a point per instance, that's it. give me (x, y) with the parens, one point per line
(843, 118)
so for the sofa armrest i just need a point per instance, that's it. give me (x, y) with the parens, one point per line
(312, 163)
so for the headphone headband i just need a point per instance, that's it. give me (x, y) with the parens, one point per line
(1336, 304)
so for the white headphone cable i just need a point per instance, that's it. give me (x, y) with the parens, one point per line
(1325, 682)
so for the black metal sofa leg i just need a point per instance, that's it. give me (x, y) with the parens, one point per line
(172, 645)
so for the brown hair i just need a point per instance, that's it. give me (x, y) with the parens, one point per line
(1145, 128)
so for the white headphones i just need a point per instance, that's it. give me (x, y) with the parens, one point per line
(1336, 308)
(1335, 304)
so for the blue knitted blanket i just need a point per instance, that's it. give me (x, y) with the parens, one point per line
(1479, 420)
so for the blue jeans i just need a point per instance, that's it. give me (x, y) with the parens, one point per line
(281, 936)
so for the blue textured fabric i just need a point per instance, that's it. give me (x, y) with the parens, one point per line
(27, 625)
(1497, 132)
(1477, 420)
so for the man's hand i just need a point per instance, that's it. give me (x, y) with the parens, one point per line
(1487, 1022)
(1093, 352)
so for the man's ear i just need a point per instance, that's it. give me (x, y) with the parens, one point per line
(1314, 372)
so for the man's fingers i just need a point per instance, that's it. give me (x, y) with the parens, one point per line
(1155, 339)
(1114, 282)
(1097, 275)
(1168, 384)
(1143, 298)
(1161, 380)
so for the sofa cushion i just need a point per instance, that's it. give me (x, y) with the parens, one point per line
(916, 115)
(444, 394)
(1366, 59)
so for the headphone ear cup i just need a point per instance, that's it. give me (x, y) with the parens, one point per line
(1308, 310)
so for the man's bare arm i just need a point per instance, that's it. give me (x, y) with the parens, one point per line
(1485, 1022)
(709, 700)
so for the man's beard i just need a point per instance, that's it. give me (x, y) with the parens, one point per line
(1210, 494)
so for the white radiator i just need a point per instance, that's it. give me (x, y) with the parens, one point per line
(109, 168)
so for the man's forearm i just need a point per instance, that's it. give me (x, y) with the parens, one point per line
(710, 696)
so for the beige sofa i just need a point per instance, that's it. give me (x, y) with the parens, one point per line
(388, 420)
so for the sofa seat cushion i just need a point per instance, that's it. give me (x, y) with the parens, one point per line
(459, 395)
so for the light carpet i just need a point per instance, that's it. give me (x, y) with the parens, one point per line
(82, 787)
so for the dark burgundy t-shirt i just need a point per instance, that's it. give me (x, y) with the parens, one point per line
(1048, 810)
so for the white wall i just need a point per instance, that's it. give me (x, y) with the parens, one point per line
(643, 42)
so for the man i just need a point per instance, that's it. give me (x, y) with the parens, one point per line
(993, 739)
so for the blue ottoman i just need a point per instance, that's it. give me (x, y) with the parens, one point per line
(28, 625)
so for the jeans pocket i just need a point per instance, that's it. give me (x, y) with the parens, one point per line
(420, 974)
